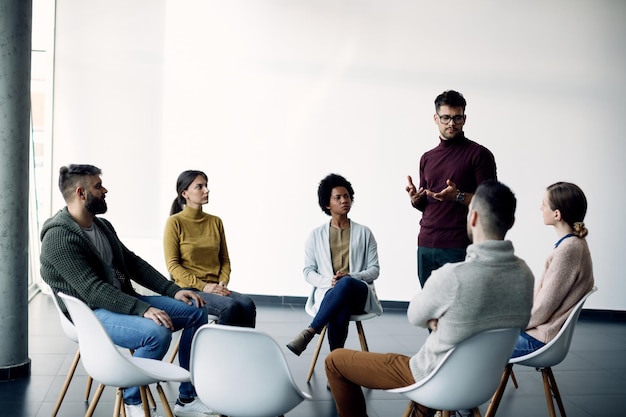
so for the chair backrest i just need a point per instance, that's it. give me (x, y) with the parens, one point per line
(556, 350)
(66, 324)
(242, 372)
(468, 375)
(102, 359)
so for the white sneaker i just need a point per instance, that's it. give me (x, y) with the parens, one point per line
(137, 411)
(196, 408)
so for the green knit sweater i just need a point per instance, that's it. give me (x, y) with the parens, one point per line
(71, 264)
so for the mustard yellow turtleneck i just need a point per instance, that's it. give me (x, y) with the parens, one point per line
(195, 249)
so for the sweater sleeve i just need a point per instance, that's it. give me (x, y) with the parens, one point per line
(434, 299)
(317, 263)
(139, 270)
(223, 256)
(171, 249)
(365, 250)
(563, 278)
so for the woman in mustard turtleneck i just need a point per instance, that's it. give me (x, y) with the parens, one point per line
(196, 254)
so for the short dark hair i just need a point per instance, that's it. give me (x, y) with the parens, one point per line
(495, 203)
(182, 183)
(570, 200)
(325, 190)
(450, 98)
(73, 176)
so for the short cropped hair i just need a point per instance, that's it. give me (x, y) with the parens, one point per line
(450, 98)
(73, 176)
(495, 204)
(325, 190)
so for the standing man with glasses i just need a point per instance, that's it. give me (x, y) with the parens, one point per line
(449, 176)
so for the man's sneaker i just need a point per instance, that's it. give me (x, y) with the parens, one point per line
(137, 411)
(196, 408)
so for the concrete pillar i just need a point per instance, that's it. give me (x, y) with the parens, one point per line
(15, 50)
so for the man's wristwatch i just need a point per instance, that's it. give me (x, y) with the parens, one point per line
(460, 196)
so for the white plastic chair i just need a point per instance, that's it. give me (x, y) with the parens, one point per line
(106, 364)
(239, 371)
(467, 375)
(543, 360)
(357, 319)
(70, 332)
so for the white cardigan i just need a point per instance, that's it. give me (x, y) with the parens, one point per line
(318, 266)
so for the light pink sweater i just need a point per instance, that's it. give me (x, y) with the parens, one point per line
(567, 277)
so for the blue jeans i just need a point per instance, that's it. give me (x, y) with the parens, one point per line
(526, 344)
(233, 310)
(150, 340)
(346, 298)
(429, 259)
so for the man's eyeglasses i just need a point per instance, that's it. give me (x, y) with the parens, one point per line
(445, 119)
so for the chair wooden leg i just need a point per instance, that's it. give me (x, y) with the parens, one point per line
(88, 387)
(316, 354)
(476, 412)
(144, 401)
(151, 401)
(497, 396)
(361, 333)
(175, 351)
(514, 379)
(166, 405)
(555, 390)
(94, 401)
(66, 385)
(551, 390)
(408, 412)
(119, 399)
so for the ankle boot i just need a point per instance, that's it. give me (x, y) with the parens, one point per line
(300, 342)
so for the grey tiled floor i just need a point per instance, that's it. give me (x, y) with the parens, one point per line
(592, 379)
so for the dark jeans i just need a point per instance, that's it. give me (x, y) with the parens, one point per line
(429, 259)
(233, 310)
(151, 340)
(346, 298)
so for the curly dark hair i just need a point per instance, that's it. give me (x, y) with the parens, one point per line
(325, 190)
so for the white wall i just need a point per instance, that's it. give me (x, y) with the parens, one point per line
(267, 97)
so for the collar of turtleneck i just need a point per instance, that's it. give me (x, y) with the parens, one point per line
(192, 213)
(453, 142)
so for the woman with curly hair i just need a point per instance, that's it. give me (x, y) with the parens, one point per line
(341, 262)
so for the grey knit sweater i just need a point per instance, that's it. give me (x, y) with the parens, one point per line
(491, 289)
(70, 263)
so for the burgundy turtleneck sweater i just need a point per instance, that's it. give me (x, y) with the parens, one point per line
(467, 164)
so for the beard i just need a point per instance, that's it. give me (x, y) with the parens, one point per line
(95, 205)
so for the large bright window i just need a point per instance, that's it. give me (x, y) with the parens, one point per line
(42, 71)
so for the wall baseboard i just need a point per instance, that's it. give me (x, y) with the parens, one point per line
(604, 315)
